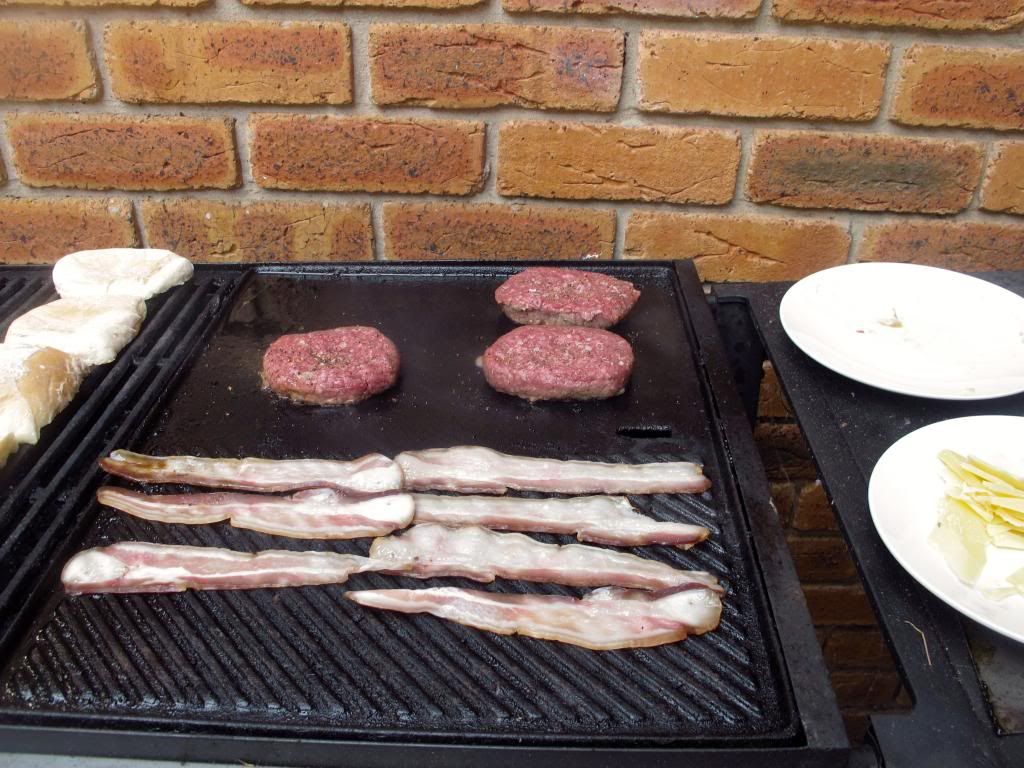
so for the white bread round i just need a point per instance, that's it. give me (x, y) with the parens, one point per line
(91, 330)
(138, 272)
(8, 445)
(36, 383)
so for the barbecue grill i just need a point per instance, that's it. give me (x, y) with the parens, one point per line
(302, 676)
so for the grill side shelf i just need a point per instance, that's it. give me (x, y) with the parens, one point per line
(41, 513)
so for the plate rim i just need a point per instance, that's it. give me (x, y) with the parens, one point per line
(795, 336)
(895, 551)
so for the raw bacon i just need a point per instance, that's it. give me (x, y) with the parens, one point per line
(319, 513)
(429, 550)
(606, 619)
(599, 519)
(470, 469)
(142, 567)
(370, 474)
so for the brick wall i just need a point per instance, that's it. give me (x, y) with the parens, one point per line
(863, 673)
(764, 139)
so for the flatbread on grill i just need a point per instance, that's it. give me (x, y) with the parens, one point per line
(138, 272)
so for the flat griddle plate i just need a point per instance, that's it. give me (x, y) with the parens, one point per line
(306, 662)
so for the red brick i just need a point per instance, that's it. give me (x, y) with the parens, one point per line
(845, 605)
(488, 65)
(863, 172)
(738, 247)
(217, 62)
(1004, 182)
(486, 231)
(207, 230)
(436, 4)
(930, 14)
(771, 401)
(857, 649)
(123, 152)
(784, 452)
(821, 559)
(692, 9)
(582, 161)
(963, 87)
(349, 154)
(813, 509)
(751, 76)
(45, 60)
(41, 230)
(866, 690)
(967, 246)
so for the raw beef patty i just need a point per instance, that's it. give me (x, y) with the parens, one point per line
(546, 363)
(556, 296)
(336, 367)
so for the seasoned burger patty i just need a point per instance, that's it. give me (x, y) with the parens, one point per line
(556, 296)
(547, 363)
(336, 367)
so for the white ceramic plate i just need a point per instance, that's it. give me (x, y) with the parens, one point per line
(910, 329)
(906, 487)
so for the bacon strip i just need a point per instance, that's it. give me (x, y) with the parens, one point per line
(314, 514)
(370, 474)
(140, 567)
(429, 550)
(469, 469)
(599, 519)
(604, 620)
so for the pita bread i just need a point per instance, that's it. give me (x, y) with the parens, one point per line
(36, 383)
(91, 330)
(138, 272)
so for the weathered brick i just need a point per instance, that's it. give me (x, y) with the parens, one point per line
(41, 230)
(968, 246)
(217, 62)
(866, 689)
(346, 154)
(863, 172)
(784, 452)
(371, 3)
(45, 60)
(750, 76)
(856, 648)
(813, 510)
(693, 9)
(963, 87)
(610, 162)
(122, 152)
(930, 14)
(96, 3)
(206, 230)
(488, 65)
(738, 247)
(488, 231)
(845, 605)
(771, 401)
(821, 559)
(1004, 181)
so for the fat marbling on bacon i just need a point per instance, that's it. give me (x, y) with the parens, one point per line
(598, 519)
(606, 619)
(319, 513)
(142, 567)
(370, 474)
(472, 469)
(429, 550)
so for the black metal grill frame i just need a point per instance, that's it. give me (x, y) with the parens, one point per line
(820, 740)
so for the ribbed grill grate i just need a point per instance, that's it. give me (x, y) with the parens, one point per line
(307, 662)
